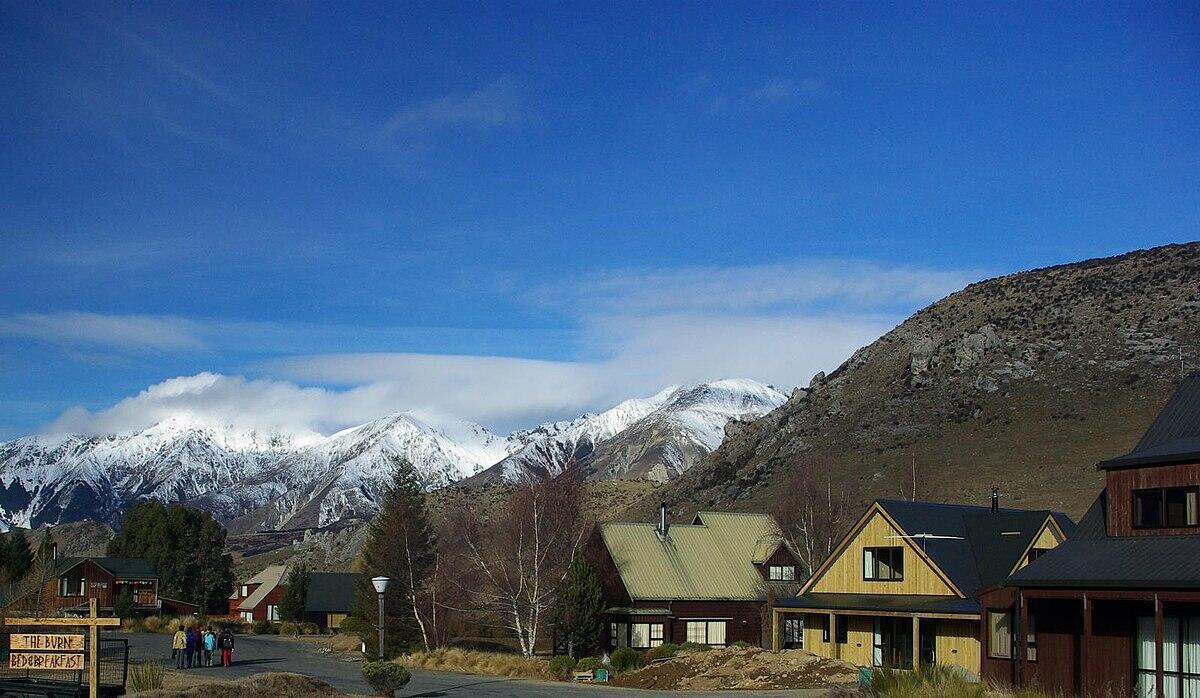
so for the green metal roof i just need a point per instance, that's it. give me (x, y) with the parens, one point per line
(712, 558)
(332, 592)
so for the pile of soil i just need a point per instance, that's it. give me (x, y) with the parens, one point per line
(732, 667)
(277, 685)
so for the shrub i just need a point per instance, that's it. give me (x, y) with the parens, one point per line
(152, 624)
(626, 659)
(927, 680)
(471, 662)
(264, 627)
(562, 666)
(132, 625)
(288, 628)
(690, 646)
(742, 645)
(354, 624)
(385, 677)
(667, 649)
(145, 676)
(235, 625)
(588, 664)
(310, 629)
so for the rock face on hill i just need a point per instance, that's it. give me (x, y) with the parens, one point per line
(1023, 382)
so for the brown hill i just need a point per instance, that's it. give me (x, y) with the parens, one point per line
(1022, 382)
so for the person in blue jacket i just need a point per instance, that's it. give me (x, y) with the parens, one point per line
(189, 647)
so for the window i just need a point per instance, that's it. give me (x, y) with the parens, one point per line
(618, 635)
(272, 612)
(1000, 634)
(1181, 656)
(883, 564)
(793, 633)
(1169, 507)
(248, 616)
(781, 573)
(71, 587)
(645, 635)
(706, 632)
(1035, 553)
(245, 591)
(839, 627)
(1031, 639)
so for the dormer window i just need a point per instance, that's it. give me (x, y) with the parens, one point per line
(1166, 507)
(781, 573)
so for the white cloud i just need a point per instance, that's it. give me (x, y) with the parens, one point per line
(128, 332)
(637, 333)
(499, 103)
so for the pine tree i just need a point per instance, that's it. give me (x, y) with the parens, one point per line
(400, 545)
(18, 557)
(295, 594)
(185, 546)
(580, 608)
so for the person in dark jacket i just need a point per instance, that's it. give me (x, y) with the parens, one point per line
(198, 655)
(189, 646)
(225, 642)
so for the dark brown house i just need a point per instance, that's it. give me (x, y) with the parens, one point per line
(706, 582)
(1115, 610)
(105, 579)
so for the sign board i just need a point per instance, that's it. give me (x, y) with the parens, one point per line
(46, 661)
(44, 642)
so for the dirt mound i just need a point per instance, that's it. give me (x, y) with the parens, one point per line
(270, 685)
(740, 668)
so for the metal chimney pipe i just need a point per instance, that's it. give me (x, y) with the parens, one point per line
(662, 519)
(995, 499)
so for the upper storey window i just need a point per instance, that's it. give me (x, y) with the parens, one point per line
(1166, 507)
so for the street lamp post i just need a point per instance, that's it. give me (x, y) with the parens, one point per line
(381, 585)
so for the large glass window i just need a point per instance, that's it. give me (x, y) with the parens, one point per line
(71, 587)
(618, 635)
(645, 635)
(272, 612)
(1000, 634)
(1170, 507)
(883, 564)
(706, 632)
(1181, 657)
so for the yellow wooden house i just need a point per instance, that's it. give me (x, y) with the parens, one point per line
(902, 587)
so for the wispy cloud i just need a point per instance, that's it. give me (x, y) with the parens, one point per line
(128, 332)
(719, 96)
(499, 103)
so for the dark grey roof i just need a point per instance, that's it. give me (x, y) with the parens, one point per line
(982, 546)
(332, 592)
(1174, 437)
(122, 567)
(1092, 559)
(897, 603)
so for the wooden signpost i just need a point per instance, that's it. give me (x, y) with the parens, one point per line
(60, 652)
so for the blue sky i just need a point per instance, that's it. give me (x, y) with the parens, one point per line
(305, 215)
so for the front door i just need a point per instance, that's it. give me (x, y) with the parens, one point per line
(928, 641)
(893, 643)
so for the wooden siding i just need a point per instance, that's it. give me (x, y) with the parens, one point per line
(956, 641)
(744, 619)
(1121, 483)
(99, 584)
(845, 574)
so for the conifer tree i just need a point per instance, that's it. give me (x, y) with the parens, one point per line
(18, 557)
(580, 608)
(295, 594)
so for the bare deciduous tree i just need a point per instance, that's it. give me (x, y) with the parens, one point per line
(517, 562)
(815, 513)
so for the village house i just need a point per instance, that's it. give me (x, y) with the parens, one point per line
(331, 597)
(106, 579)
(902, 588)
(1116, 609)
(706, 582)
(257, 598)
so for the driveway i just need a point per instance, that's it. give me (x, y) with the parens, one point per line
(261, 653)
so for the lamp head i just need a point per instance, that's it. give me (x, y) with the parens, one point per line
(380, 583)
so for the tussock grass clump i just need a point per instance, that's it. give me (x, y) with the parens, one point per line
(146, 676)
(181, 622)
(936, 681)
(471, 662)
(152, 623)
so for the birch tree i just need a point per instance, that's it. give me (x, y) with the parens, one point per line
(815, 513)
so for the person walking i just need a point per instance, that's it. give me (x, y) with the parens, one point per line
(210, 644)
(189, 645)
(225, 642)
(178, 645)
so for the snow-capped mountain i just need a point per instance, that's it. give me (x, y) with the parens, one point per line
(654, 438)
(254, 480)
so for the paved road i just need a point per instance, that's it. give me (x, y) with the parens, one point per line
(256, 654)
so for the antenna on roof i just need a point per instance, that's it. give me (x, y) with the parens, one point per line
(926, 536)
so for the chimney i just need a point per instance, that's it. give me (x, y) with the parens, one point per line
(662, 519)
(53, 550)
(995, 499)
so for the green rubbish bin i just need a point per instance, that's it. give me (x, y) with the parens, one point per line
(602, 675)
(864, 677)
